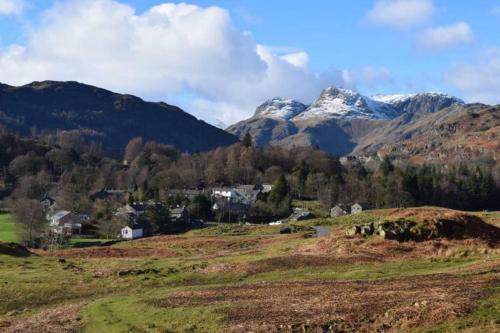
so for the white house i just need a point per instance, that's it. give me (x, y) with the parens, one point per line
(132, 232)
(359, 207)
(65, 221)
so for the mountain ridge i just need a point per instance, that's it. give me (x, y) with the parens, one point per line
(337, 119)
(112, 118)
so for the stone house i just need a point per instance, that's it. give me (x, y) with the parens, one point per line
(339, 210)
(359, 207)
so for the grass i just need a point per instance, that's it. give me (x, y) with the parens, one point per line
(236, 229)
(117, 302)
(316, 207)
(484, 318)
(77, 241)
(9, 230)
(132, 314)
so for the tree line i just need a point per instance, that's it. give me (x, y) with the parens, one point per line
(72, 170)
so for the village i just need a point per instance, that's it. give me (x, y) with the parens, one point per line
(222, 204)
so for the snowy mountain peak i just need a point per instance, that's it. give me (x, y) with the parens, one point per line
(401, 98)
(343, 103)
(280, 108)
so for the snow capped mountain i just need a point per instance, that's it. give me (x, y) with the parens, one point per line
(280, 108)
(428, 102)
(347, 104)
(337, 119)
(392, 99)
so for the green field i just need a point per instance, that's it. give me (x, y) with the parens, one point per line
(242, 278)
(9, 231)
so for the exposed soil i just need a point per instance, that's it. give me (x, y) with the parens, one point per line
(63, 319)
(340, 306)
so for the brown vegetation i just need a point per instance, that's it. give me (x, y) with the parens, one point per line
(340, 306)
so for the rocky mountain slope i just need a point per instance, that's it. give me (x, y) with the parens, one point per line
(453, 135)
(337, 120)
(104, 116)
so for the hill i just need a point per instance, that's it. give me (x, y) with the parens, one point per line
(103, 116)
(240, 278)
(452, 135)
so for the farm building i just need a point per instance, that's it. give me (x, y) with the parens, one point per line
(132, 232)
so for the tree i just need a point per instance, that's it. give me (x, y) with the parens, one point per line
(279, 192)
(386, 167)
(111, 229)
(200, 207)
(300, 172)
(29, 214)
(247, 140)
(133, 149)
(158, 218)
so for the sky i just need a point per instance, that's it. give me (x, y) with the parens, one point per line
(220, 59)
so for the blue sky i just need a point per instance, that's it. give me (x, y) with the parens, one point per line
(384, 46)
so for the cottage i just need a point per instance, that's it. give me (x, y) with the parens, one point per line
(242, 194)
(339, 210)
(179, 214)
(133, 232)
(301, 216)
(134, 210)
(359, 207)
(66, 222)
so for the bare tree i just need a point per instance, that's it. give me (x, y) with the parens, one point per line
(30, 215)
(134, 148)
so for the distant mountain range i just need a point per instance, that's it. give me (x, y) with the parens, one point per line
(421, 127)
(104, 116)
(345, 122)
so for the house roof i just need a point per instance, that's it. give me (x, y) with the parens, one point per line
(341, 206)
(177, 210)
(59, 215)
(134, 227)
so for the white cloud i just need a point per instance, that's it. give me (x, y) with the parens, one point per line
(11, 7)
(401, 13)
(298, 59)
(495, 10)
(169, 49)
(445, 36)
(370, 77)
(480, 81)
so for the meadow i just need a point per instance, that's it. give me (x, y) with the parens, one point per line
(9, 231)
(240, 278)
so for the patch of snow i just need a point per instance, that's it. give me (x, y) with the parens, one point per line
(343, 103)
(217, 123)
(280, 108)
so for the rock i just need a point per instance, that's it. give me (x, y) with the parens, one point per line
(354, 231)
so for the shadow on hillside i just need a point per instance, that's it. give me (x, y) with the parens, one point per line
(15, 250)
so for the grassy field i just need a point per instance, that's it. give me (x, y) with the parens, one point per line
(9, 231)
(240, 278)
